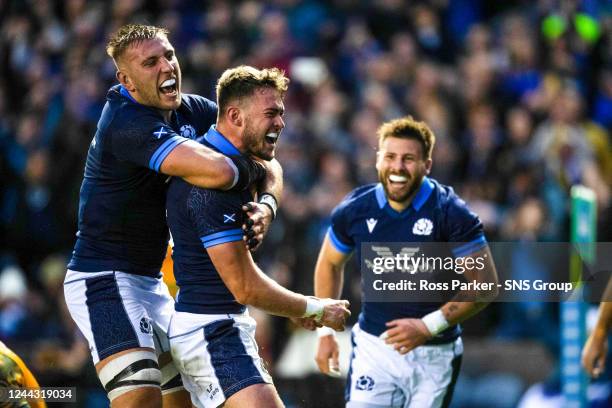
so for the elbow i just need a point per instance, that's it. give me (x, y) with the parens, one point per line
(243, 295)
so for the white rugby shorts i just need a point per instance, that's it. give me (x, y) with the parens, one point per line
(381, 377)
(216, 355)
(117, 311)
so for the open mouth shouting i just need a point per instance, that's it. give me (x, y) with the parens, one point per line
(272, 137)
(168, 87)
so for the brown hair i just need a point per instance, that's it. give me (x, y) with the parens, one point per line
(408, 128)
(242, 81)
(130, 34)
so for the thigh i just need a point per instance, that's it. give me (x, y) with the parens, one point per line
(216, 356)
(151, 294)
(436, 375)
(108, 313)
(370, 381)
(255, 396)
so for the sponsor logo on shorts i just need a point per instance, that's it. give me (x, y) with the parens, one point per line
(145, 325)
(365, 383)
(212, 390)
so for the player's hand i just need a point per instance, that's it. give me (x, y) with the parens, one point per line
(257, 224)
(594, 353)
(406, 334)
(335, 313)
(327, 355)
(307, 323)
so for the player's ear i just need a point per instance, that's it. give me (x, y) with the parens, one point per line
(428, 164)
(125, 80)
(234, 115)
(378, 157)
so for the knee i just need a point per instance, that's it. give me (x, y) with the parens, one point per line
(136, 373)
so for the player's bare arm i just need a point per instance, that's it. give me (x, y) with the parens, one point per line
(329, 278)
(407, 334)
(263, 213)
(250, 286)
(200, 166)
(596, 347)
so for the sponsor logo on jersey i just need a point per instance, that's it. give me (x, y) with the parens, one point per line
(371, 222)
(423, 226)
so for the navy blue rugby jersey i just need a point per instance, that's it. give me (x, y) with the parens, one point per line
(201, 218)
(440, 215)
(122, 223)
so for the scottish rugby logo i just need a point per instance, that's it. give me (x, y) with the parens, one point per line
(188, 131)
(423, 226)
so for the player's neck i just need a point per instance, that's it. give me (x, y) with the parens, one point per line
(231, 135)
(167, 114)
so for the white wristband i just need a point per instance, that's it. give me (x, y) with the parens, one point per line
(269, 200)
(325, 331)
(314, 309)
(435, 322)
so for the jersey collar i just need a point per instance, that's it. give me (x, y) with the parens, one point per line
(417, 202)
(126, 93)
(220, 142)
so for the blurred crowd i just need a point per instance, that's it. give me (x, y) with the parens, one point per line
(518, 93)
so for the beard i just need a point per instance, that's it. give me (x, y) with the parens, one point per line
(255, 143)
(400, 194)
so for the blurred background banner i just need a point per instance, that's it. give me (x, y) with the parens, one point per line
(518, 93)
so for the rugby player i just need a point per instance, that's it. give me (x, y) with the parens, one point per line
(211, 332)
(15, 374)
(405, 354)
(113, 287)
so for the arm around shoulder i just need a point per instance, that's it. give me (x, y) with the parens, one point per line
(200, 166)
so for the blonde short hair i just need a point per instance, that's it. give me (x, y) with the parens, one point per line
(242, 81)
(408, 128)
(132, 34)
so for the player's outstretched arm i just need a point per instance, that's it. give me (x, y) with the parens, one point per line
(596, 347)
(250, 286)
(407, 334)
(329, 275)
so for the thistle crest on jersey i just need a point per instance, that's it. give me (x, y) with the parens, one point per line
(423, 226)
(188, 131)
